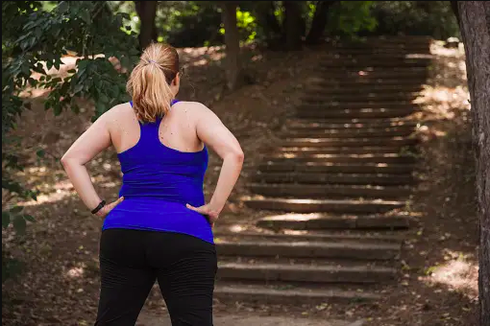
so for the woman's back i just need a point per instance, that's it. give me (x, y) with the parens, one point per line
(177, 129)
(163, 165)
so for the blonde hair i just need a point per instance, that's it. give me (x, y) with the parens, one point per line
(149, 83)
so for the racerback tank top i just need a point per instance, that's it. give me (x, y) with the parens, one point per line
(158, 181)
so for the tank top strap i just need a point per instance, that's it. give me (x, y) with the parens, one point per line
(149, 130)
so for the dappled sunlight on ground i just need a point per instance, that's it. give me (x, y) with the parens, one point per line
(458, 274)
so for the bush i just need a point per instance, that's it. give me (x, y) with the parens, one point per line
(434, 18)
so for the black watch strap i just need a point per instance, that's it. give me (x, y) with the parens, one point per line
(99, 207)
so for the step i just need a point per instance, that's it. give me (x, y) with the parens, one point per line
(331, 178)
(313, 89)
(305, 273)
(349, 132)
(399, 73)
(380, 52)
(329, 191)
(331, 96)
(340, 236)
(323, 167)
(324, 113)
(356, 107)
(348, 142)
(338, 82)
(323, 205)
(308, 151)
(381, 46)
(377, 62)
(340, 158)
(375, 56)
(285, 294)
(349, 125)
(358, 250)
(369, 81)
(319, 221)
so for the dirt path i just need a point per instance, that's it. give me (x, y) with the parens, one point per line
(152, 319)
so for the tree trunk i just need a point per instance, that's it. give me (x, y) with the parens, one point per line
(319, 21)
(292, 24)
(146, 11)
(267, 19)
(232, 42)
(474, 17)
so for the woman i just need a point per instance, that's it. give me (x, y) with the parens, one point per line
(160, 227)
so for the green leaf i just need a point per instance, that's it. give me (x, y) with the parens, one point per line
(78, 88)
(63, 6)
(29, 218)
(72, 71)
(85, 15)
(104, 98)
(20, 224)
(16, 209)
(41, 153)
(125, 62)
(5, 219)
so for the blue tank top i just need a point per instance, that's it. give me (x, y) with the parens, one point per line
(158, 182)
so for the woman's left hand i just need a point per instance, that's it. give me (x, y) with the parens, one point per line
(210, 212)
(108, 208)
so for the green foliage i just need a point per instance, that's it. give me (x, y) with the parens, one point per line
(247, 26)
(349, 17)
(434, 18)
(35, 37)
(189, 23)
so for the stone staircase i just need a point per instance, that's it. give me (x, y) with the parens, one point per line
(340, 178)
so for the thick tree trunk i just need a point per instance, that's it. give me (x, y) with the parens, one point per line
(146, 11)
(319, 21)
(474, 17)
(232, 42)
(292, 24)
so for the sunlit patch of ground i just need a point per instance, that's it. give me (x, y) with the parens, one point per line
(457, 273)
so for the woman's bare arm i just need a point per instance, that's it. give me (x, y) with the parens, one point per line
(214, 134)
(93, 141)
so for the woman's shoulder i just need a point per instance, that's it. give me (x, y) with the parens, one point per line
(197, 109)
(118, 114)
(193, 105)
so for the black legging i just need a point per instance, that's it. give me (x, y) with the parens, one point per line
(131, 261)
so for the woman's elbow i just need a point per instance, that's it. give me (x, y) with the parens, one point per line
(67, 161)
(240, 156)
(64, 161)
(236, 156)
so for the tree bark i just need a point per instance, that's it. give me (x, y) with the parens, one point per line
(232, 43)
(319, 21)
(267, 19)
(146, 11)
(292, 24)
(474, 17)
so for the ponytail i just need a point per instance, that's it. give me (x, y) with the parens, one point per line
(149, 83)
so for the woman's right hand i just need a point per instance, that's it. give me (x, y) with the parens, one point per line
(212, 213)
(102, 213)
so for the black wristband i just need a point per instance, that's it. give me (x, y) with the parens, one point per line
(99, 207)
